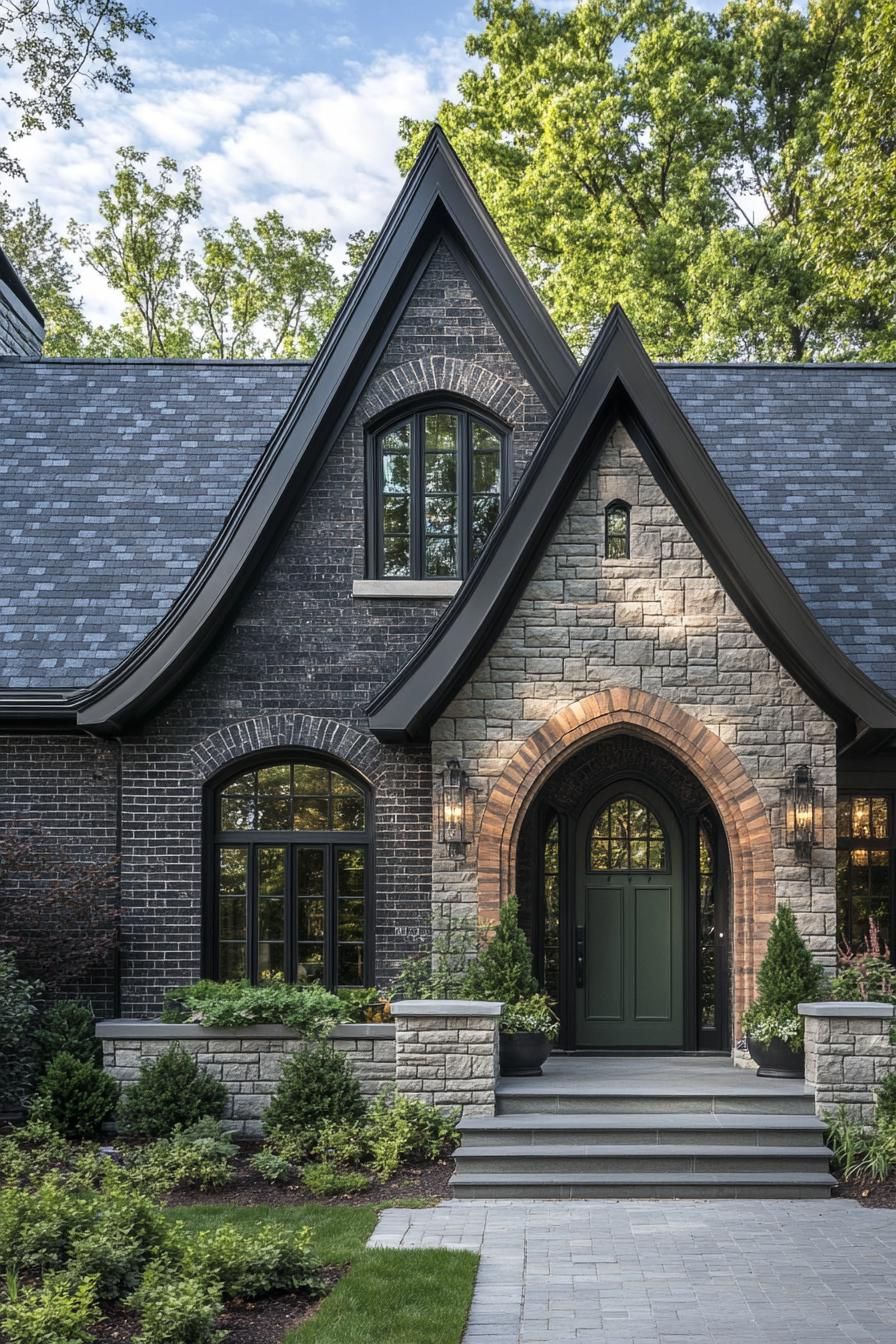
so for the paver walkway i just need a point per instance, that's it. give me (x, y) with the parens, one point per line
(645, 1272)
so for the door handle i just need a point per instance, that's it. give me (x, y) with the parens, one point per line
(580, 956)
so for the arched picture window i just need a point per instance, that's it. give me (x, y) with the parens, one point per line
(627, 837)
(617, 528)
(291, 874)
(440, 480)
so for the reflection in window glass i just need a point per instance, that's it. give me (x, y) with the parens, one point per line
(627, 836)
(550, 876)
(617, 529)
(865, 858)
(291, 897)
(706, 879)
(440, 493)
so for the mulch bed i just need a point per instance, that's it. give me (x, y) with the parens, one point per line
(257, 1322)
(429, 1182)
(872, 1194)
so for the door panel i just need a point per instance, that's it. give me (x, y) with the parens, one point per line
(605, 957)
(630, 993)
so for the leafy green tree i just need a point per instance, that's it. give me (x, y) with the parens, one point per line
(265, 291)
(138, 249)
(54, 47)
(646, 152)
(28, 238)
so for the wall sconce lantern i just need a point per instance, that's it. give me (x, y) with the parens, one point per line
(456, 795)
(799, 810)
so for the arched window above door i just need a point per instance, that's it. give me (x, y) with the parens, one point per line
(290, 874)
(627, 837)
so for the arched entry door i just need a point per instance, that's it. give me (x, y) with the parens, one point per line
(630, 922)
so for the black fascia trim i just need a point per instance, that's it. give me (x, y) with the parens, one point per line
(619, 382)
(436, 203)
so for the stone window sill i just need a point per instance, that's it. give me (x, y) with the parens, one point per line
(392, 588)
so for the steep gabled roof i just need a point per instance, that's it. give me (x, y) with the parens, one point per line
(618, 382)
(437, 203)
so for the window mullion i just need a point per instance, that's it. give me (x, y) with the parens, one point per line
(464, 496)
(417, 500)
(252, 915)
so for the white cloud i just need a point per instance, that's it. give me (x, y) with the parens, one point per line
(318, 146)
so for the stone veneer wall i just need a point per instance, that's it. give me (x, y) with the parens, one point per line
(247, 1060)
(659, 622)
(849, 1052)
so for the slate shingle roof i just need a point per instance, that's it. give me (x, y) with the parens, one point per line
(115, 478)
(810, 454)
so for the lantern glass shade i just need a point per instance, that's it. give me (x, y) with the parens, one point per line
(799, 802)
(454, 796)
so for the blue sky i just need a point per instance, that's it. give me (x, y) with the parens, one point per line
(291, 104)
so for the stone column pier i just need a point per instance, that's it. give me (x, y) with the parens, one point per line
(848, 1054)
(446, 1052)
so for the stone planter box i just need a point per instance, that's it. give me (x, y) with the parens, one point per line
(247, 1060)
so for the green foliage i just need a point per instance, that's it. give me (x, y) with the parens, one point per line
(56, 1311)
(68, 1027)
(55, 49)
(273, 1166)
(865, 976)
(35, 249)
(310, 1010)
(788, 976)
(400, 1129)
(863, 1154)
(77, 1096)
(503, 971)
(171, 1090)
(18, 1015)
(315, 1085)
(441, 972)
(363, 1005)
(324, 1180)
(30, 1151)
(727, 177)
(271, 1259)
(532, 1014)
(885, 1114)
(202, 1155)
(175, 1309)
(846, 1140)
(127, 1230)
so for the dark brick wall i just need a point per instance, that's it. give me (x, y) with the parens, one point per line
(298, 664)
(62, 792)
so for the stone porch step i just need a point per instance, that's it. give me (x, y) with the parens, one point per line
(646, 1185)
(623, 1160)
(672, 1127)
(537, 1096)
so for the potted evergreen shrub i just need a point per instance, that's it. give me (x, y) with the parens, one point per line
(503, 972)
(787, 977)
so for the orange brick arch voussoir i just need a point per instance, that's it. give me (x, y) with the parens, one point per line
(711, 760)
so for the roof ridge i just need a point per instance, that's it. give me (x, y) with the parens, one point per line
(819, 366)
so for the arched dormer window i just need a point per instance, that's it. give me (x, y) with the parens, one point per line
(439, 480)
(290, 872)
(617, 531)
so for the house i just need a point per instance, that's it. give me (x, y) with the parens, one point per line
(332, 654)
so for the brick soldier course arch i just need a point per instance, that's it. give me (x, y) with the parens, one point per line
(267, 731)
(443, 373)
(710, 759)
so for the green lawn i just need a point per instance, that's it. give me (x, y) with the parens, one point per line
(386, 1297)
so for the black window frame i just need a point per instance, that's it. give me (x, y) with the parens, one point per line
(415, 413)
(618, 506)
(848, 844)
(331, 841)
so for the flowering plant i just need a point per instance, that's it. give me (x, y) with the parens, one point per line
(531, 1014)
(774, 1025)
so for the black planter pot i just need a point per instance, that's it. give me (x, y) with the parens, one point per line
(522, 1053)
(777, 1060)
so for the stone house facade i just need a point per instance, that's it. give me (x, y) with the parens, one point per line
(254, 615)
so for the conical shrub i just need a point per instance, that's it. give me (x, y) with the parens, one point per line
(503, 971)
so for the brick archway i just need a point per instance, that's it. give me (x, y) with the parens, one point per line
(711, 760)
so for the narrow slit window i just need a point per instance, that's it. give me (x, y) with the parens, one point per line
(617, 522)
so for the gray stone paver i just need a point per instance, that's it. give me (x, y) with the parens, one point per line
(671, 1272)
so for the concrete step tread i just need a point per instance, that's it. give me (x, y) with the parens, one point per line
(674, 1178)
(642, 1151)
(668, 1120)
(534, 1087)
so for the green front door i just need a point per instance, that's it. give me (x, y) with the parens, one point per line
(629, 950)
